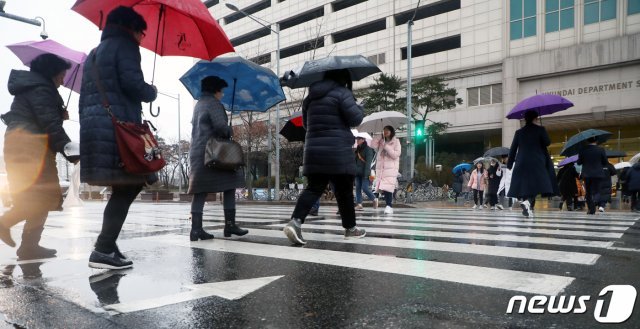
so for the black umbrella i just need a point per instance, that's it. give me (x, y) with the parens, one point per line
(616, 154)
(359, 67)
(293, 130)
(576, 142)
(497, 152)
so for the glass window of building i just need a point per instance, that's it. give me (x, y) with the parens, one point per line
(484, 95)
(522, 22)
(599, 10)
(558, 15)
(633, 7)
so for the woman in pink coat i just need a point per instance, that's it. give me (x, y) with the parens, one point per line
(478, 183)
(387, 164)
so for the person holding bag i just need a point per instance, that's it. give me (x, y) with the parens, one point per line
(210, 121)
(34, 135)
(113, 77)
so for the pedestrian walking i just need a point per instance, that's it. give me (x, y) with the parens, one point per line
(328, 112)
(494, 177)
(466, 189)
(566, 178)
(593, 160)
(210, 121)
(478, 182)
(113, 70)
(605, 186)
(529, 159)
(364, 157)
(33, 137)
(388, 151)
(633, 186)
(505, 184)
(457, 185)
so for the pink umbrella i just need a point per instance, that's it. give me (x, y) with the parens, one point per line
(27, 51)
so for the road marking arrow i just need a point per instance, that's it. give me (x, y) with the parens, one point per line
(230, 290)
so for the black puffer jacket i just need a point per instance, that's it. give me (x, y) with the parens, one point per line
(633, 178)
(37, 107)
(328, 114)
(118, 61)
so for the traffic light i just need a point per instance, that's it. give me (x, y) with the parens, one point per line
(419, 134)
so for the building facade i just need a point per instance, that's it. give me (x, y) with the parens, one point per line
(494, 52)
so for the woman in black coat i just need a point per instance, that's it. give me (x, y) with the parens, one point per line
(210, 120)
(495, 175)
(567, 182)
(529, 159)
(605, 186)
(117, 63)
(328, 113)
(34, 135)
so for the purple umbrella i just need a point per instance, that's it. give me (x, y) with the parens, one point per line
(27, 51)
(542, 103)
(568, 160)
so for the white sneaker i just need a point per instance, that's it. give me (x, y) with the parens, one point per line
(375, 203)
(601, 209)
(511, 208)
(359, 207)
(493, 208)
(388, 210)
(500, 207)
(474, 207)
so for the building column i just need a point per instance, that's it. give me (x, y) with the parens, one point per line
(509, 100)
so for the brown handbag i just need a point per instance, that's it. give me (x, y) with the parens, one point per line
(223, 154)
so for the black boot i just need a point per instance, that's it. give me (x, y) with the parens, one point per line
(230, 224)
(30, 248)
(197, 233)
(561, 203)
(5, 235)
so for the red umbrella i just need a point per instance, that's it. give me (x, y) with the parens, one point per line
(174, 27)
(293, 130)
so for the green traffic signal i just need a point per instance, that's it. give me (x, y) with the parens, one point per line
(419, 133)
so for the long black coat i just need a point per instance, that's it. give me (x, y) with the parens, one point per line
(494, 179)
(328, 114)
(118, 62)
(605, 183)
(210, 120)
(567, 181)
(533, 172)
(34, 135)
(593, 159)
(633, 178)
(457, 183)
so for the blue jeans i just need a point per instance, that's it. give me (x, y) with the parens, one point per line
(362, 185)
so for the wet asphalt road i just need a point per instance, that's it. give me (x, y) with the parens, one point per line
(417, 268)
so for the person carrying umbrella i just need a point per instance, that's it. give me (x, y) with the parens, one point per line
(364, 157)
(114, 68)
(494, 177)
(633, 186)
(328, 112)
(566, 178)
(593, 160)
(33, 137)
(210, 120)
(533, 171)
(387, 164)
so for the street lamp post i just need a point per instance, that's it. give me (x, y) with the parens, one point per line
(409, 104)
(179, 139)
(277, 32)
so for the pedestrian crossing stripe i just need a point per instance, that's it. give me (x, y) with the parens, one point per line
(527, 282)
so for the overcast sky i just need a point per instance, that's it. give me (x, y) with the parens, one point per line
(74, 31)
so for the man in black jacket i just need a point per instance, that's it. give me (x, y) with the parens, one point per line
(592, 158)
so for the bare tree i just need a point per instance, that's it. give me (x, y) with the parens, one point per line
(252, 135)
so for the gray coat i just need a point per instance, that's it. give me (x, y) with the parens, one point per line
(210, 120)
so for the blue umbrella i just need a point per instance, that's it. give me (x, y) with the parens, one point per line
(460, 167)
(251, 86)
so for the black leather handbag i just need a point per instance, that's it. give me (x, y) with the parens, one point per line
(223, 154)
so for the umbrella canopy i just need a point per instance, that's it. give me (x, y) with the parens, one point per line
(251, 87)
(460, 167)
(622, 165)
(634, 159)
(568, 160)
(576, 142)
(543, 104)
(484, 159)
(377, 121)
(359, 67)
(616, 154)
(293, 130)
(27, 51)
(364, 135)
(497, 152)
(174, 28)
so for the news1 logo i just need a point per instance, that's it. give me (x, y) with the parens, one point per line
(621, 302)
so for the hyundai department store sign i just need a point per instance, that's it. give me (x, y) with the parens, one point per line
(611, 89)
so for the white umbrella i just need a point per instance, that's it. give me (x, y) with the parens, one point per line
(622, 165)
(366, 136)
(375, 122)
(635, 159)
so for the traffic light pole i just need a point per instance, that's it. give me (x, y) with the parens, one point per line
(409, 105)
